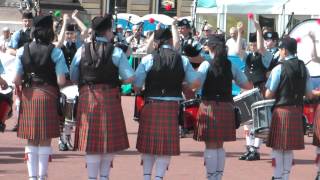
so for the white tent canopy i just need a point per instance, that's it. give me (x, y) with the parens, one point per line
(134, 19)
(299, 7)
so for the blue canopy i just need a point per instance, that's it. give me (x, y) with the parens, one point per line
(207, 3)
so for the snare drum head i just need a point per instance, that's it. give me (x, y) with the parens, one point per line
(304, 51)
(246, 94)
(269, 102)
(70, 91)
(314, 69)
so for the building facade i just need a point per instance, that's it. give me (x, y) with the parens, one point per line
(138, 7)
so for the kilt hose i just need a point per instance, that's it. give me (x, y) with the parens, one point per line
(286, 130)
(38, 114)
(316, 126)
(215, 122)
(100, 122)
(158, 132)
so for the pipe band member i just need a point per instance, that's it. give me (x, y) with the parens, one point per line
(216, 117)
(288, 83)
(96, 67)
(162, 73)
(40, 70)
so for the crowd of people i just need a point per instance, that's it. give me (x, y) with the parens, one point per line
(178, 65)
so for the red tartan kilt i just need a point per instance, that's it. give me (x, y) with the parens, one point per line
(215, 122)
(100, 122)
(316, 126)
(38, 115)
(158, 128)
(286, 130)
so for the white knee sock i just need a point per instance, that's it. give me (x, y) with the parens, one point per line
(221, 162)
(44, 154)
(66, 131)
(288, 159)
(211, 161)
(257, 143)
(17, 102)
(93, 165)
(148, 162)
(105, 166)
(278, 155)
(162, 163)
(32, 161)
(247, 135)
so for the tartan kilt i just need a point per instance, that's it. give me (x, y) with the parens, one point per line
(316, 126)
(100, 122)
(286, 130)
(215, 122)
(158, 132)
(38, 114)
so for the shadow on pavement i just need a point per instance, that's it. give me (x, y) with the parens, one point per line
(8, 149)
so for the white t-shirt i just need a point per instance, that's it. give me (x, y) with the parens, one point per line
(232, 46)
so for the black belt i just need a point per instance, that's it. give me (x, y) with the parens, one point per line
(148, 101)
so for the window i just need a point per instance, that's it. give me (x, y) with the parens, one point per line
(121, 4)
(162, 5)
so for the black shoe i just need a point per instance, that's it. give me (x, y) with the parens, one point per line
(273, 178)
(15, 128)
(2, 127)
(63, 146)
(253, 156)
(246, 154)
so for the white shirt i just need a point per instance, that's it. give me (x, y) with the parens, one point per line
(232, 46)
(4, 43)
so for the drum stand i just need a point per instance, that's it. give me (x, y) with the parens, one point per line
(65, 138)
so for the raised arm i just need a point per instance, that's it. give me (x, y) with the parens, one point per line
(260, 45)
(175, 35)
(61, 37)
(83, 28)
(239, 50)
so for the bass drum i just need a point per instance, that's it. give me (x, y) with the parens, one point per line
(301, 31)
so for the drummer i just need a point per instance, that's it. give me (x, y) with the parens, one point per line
(257, 61)
(288, 83)
(162, 72)
(69, 41)
(216, 116)
(96, 68)
(40, 70)
(271, 42)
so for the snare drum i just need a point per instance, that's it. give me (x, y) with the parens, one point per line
(189, 111)
(262, 116)
(70, 104)
(5, 106)
(244, 102)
